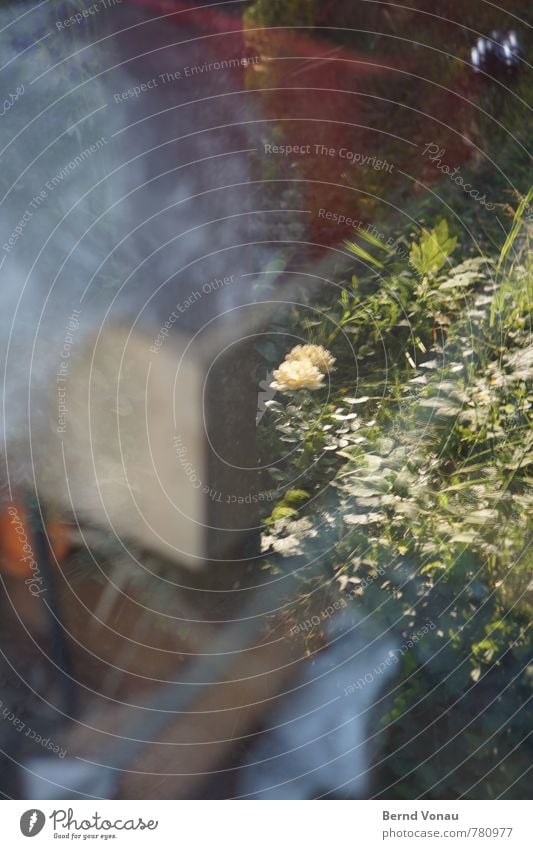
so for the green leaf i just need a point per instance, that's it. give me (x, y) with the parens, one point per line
(432, 250)
(373, 240)
(360, 252)
(294, 497)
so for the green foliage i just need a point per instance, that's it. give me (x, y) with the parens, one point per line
(295, 497)
(429, 255)
(361, 253)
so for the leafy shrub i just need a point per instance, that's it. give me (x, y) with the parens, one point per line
(418, 482)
